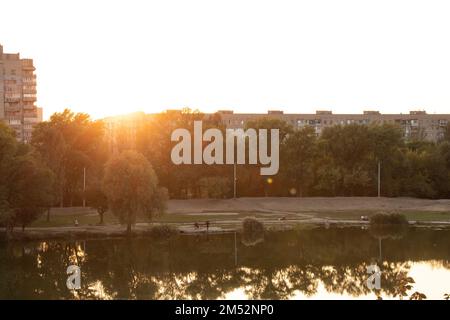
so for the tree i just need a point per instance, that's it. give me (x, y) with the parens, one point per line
(215, 187)
(250, 182)
(160, 199)
(8, 148)
(25, 184)
(68, 143)
(347, 149)
(31, 187)
(447, 133)
(130, 185)
(298, 155)
(252, 231)
(97, 199)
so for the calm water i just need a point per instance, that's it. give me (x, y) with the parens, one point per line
(313, 264)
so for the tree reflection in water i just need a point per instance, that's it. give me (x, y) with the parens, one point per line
(191, 267)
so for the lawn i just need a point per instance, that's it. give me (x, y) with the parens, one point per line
(88, 218)
(411, 215)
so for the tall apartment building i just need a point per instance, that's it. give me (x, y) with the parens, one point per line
(18, 94)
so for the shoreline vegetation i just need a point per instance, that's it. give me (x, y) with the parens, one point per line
(128, 177)
(275, 213)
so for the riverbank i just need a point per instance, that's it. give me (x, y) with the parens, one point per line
(190, 216)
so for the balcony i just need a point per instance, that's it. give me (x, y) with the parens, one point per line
(15, 122)
(29, 91)
(27, 64)
(29, 82)
(29, 97)
(29, 107)
(14, 108)
(443, 123)
(31, 120)
(12, 97)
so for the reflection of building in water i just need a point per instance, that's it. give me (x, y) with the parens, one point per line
(18, 94)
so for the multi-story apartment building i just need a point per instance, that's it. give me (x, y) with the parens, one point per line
(18, 94)
(416, 124)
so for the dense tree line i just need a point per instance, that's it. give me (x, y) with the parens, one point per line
(68, 163)
(342, 161)
(26, 183)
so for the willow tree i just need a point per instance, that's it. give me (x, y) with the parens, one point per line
(130, 184)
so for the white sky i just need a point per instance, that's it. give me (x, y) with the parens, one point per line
(114, 57)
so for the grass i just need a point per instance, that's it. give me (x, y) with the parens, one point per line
(411, 215)
(68, 219)
(88, 219)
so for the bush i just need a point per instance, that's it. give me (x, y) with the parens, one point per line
(160, 201)
(162, 231)
(388, 225)
(252, 232)
(388, 219)
(215, 187)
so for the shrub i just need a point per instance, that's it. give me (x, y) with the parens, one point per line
(215, 187)
(388, 225)
(162, 231)
(388, 219)
(252, 232)
(160, 201)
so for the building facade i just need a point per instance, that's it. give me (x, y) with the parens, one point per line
(121, 130)
(18, 95)
(415, 124)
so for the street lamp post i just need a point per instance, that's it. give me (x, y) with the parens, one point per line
(234, 180)
(379, 178)
(84, 187)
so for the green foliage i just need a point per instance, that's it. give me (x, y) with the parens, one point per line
(8, 150)
(299, 152)
(388, 225)
(26, 185)
(388, 219)
(130, 185)
(97, 199)
(68, 143)
(162, 231)
(252, 231)
(417, 296)
(160, 199)
(31, 189)
(215, 187)
(342, 161)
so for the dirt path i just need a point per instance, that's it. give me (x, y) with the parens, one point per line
(275, 213)
(289, 205)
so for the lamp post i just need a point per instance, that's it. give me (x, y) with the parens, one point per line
(235, 249)
(379, 178)
(84, 187)
(234, 180)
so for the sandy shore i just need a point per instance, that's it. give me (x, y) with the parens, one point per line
(306, 204)
(275, 213)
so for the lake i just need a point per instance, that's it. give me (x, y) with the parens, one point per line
(300, 264)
